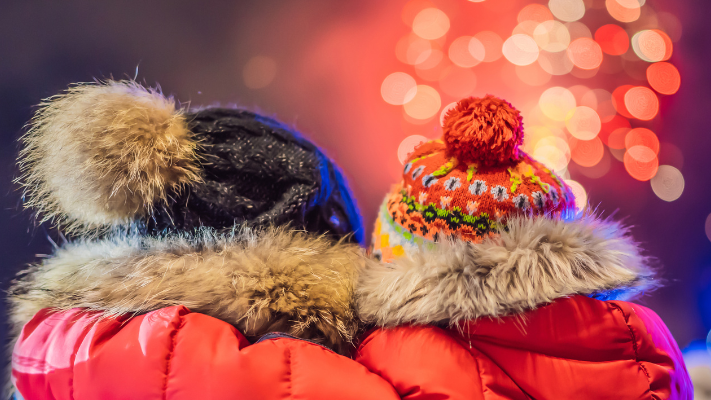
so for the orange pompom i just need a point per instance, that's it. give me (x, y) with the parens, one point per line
(485, 130)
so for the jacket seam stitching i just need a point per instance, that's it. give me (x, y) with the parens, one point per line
(634, 347)
(289, 380)
(171, 353)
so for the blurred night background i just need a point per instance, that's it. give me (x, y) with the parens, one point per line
(596, 80)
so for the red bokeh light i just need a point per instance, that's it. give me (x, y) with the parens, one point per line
(586, 153)
(618, 100)
(642, 137)
(664, 77)
(612, 39)
(641, 163)
(612, 125)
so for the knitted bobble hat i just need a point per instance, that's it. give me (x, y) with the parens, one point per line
(116, 154)
(467, 184)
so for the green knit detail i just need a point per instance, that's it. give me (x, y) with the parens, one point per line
(454, 218)
(470, 172)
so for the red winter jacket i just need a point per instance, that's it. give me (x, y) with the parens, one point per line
(241, 289)
(174, 354)
(521, 317)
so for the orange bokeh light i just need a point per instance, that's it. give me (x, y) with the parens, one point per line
(586, 153)
(642, 103)
(664, 78)
(622, 13)
(641, 163)
(534, 12)
(585, 53)
(612, 39)
(642, 137)
(618, 100)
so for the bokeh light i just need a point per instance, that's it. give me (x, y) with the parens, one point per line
(598, 170)
(466, 51)
(492, 45)
(592, 117)
(418, 51)
(586, 153)
(622, 13)
(567, 10)
(433, 73)
(613, 39)
(532, 74)
(664, 77)
(578, 30)
(445, 110)
(618, 100)
(652, 45)
(259, 72)
(425, 104)
(398, 88)
(534, 12)
(551, 36)
(552, 157)
(583, 123)
(641, 163)
(407, 146)
(520, 49)
(555, 63)
(581, 197)
(556, 103)
(430, 23)
(670, 154)
(668, 183)
(642, 137)
(585, 53)
(670, 24)
(525, 28)
(458, 82)
(642, 103)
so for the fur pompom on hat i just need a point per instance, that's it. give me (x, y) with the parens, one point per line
(114, 153)
(101, 154)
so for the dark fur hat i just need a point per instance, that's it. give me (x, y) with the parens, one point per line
(114, 153)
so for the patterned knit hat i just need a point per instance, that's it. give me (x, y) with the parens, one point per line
(468, 183)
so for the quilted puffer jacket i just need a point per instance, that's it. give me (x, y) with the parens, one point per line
(537, 312)
(207, 317)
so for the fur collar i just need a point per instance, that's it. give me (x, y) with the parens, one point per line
(533, 262)
(276, 280)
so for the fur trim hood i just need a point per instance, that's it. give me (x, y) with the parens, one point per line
(274, 280)
(533, 262)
